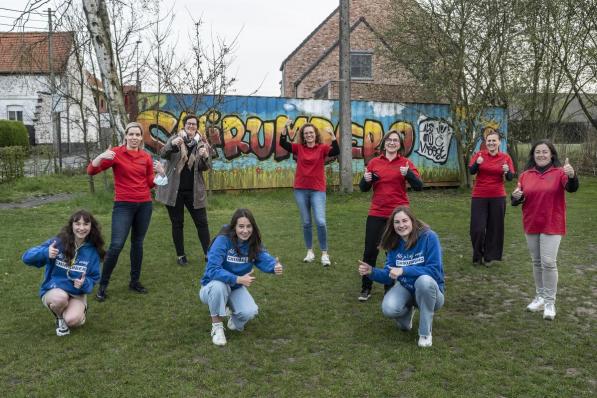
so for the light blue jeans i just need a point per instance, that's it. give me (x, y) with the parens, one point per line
(544, 254)
(218, 295)
(398, 303)
(305, 200)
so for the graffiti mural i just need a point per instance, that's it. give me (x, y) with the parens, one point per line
(245, 134)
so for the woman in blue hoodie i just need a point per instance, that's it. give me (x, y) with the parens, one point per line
(414, 259)
(229, 272)
(72, 268)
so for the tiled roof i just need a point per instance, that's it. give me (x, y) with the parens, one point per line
(27, 52)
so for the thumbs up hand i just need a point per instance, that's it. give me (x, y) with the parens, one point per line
(52, 250)
(568, 169)
(505, 168)
(480, 159)
(278, 269)
(79, 282)
(404, 170)
(517, 193)
(246, 279)
(368, 175)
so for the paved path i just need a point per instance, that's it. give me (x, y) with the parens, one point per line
(37, 201)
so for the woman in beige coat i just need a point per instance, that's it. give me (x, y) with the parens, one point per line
(188, 155)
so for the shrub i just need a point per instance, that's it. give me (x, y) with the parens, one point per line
(12, 162)
(13, 133)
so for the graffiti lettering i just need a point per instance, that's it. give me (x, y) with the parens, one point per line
(435, 137)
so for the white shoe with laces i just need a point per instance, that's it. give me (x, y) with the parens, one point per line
(61, 327)
(325, 260)
(310, 257)
(549, 312)
(536, 305)
(425, 341)
(217, 334)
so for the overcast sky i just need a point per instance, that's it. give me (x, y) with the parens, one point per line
(269, 31)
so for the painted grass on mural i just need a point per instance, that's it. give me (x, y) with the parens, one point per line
(312, 337)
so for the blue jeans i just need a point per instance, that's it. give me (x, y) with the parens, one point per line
(305, 200)
(217, 295)
(398, 303)
(127, 216)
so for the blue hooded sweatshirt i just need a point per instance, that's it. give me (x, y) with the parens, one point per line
(424, 258)
(86, 261)
(224, 264)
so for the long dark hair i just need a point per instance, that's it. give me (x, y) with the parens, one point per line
(67, 236)
(302, 134)
(555, 161)
(255, 238)
(382, 144)
(390, 239)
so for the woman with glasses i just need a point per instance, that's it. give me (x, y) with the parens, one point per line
(188, 155)
(134, 177)
(72, 269)
(387, 174)
(310, 183)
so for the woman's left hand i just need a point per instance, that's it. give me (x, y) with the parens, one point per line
(79, 282)
(331, 133)
(396, 272)
(505, 168)
(278, 269)
(158, 167)
(203, 152)
(568, 169)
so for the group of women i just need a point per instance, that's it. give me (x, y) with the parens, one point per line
(413, 275)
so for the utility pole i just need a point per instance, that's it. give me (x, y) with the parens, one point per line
(55, 131)
(345, 111)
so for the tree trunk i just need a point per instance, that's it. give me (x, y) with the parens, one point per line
(345, 103)
(98, 24)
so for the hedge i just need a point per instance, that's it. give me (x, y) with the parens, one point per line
(13, 133)
(12, 162)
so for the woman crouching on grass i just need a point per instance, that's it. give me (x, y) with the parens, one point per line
(229, 272)
(72, 269)
(414, 259)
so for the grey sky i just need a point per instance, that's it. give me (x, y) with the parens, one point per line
(269, 31)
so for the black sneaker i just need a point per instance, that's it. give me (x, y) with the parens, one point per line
(365, 295)
(182, 260)
(137, 287)
(101, 294)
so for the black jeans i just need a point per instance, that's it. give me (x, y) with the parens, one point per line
(373, 231)
(127, 216)
(487, 228)
(199, 216)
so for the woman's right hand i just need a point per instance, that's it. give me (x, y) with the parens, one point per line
(364, 268)
(108, 154)
(287, 126)
(517, 193)
(177, 141)
(480, 159)
(368, 175)
(52, 250)
(246, 279)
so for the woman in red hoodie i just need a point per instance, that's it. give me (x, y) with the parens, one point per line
(488, 205)
(134, 176)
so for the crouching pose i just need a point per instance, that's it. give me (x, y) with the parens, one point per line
(71, 262)
(414, 259)
(229, 272)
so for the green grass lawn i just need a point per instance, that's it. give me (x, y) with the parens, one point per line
(312, 337)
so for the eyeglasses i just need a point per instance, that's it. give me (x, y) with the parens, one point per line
(191, 124)
(393, 140)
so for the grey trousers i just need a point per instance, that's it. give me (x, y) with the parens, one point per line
(544, 252)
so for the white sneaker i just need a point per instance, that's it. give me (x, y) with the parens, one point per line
(217, 334)
(61, 327)
(310, 257)
(549, 312)
(325, 260)
(536, 305)
(425, 341)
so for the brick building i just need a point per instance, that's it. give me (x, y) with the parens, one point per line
(311, 70)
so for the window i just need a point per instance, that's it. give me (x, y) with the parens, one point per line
(15, 112)
(360, 65)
